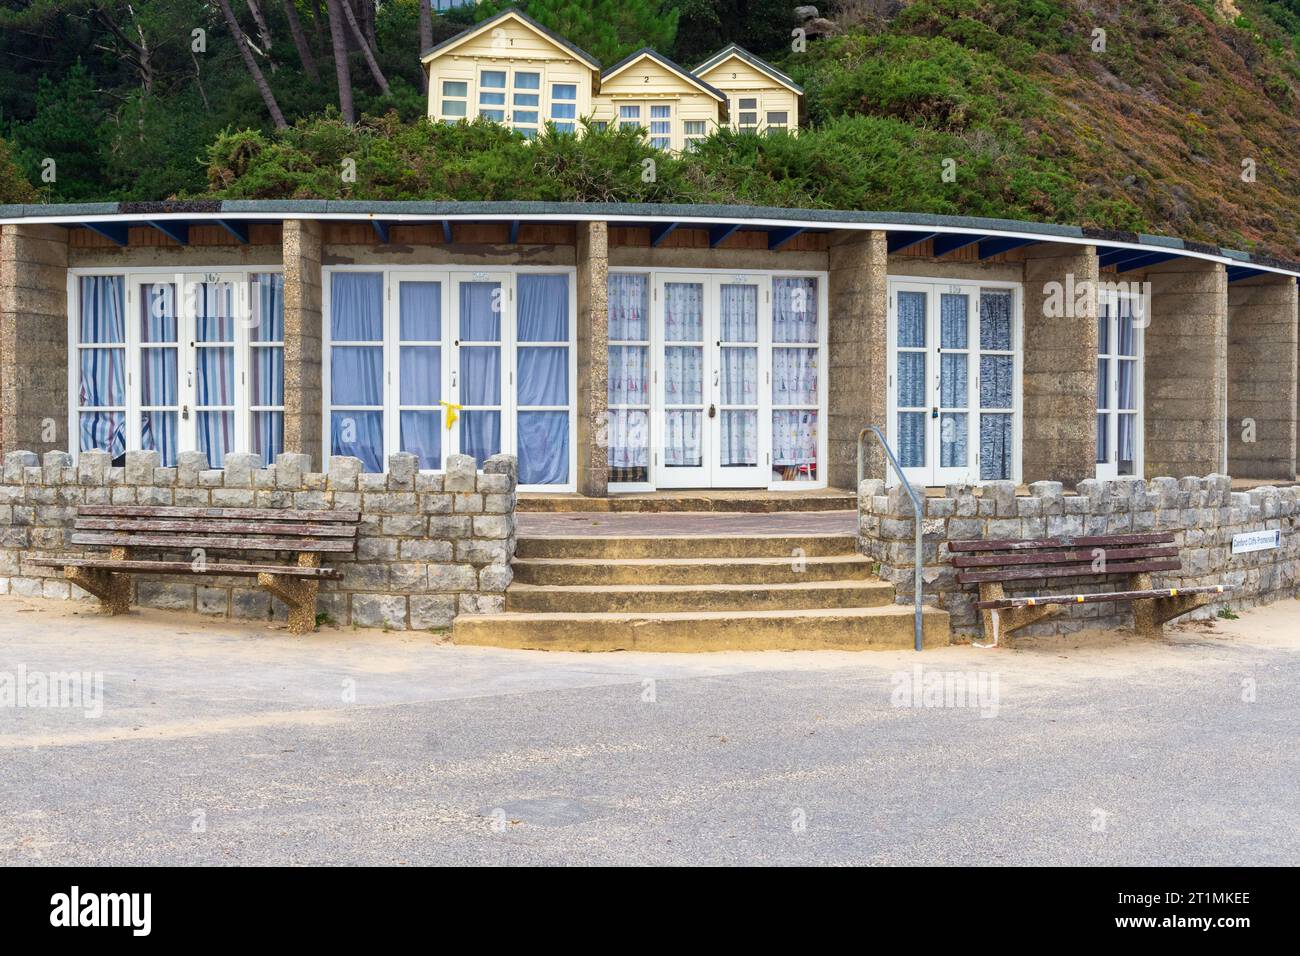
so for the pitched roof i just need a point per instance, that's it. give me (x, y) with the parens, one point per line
(667, 64)
(757, 62)
(512, 13)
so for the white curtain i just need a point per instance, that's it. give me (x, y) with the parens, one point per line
(738, 309)
(683, 312)
(629, 438)
(682, 439)
(794, 310)
(739, 428)
(683, 375)
(629, 375)
(739, 376)
(794, 376)
(794, 443)
(629, 307)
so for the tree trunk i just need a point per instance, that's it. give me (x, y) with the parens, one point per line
(426, 40)
(371, 62)
(300, 41)
(339, 42)
(263, 28)
(368, 21)
(258, 79)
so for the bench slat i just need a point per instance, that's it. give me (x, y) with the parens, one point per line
(1004, 603)
(166, 542)
(1059, 557)
(1080, 541)
(1030, 574)
(214, 526)
(252, 514)
(187, 567)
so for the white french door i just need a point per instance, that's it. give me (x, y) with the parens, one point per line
(714, 414)
(1119, 387)
(480, 375)
(185, 375)
(952, 381)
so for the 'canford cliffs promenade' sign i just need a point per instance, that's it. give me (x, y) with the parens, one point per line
(1256, 541)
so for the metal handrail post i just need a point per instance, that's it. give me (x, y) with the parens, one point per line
(917, 507)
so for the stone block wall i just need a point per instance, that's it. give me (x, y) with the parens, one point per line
(1203, 513)
(429, 546)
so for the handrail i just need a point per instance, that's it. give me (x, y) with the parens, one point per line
(917, 507)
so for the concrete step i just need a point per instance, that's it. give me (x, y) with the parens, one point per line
(679, 571)
(618, 547)
(644, 598)
(757, 502)
(873, 628)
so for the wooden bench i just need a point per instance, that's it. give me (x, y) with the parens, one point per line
(126, 529)
(991, 564)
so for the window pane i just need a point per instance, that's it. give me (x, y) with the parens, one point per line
(420, 304)
(629, 445)
(158, 312)
(268, 308)
(629, 375)
(740, 377)
(480, 375)
(748, 103)
(455, 88)
(421, 374)
(495, 79)
(954, 386)
(496, 116)
(103, 377)
(480, 435)
(268, 377)
(360, 434)
(911, 379)
(105, 431)
(996, 380)
(357, 307)
(953, 313)
(954, 451)
(214, 309)
(684, 311)
(738, 430)
(694, 127)
(422, 437)
(480, 311)
(564, 110)
(526, 117)
(158, 376)
(268, 434)
(794, 376)
(216, 435)
(629, 112)
(794, 310)
(995, 447)
(103, 309)
(683, 369)
(543, 308)
(1103, 439)
(911, 439)
(682, 448)
(629, 307)
(216, 376)
(911, 320)
(356, 375)
(777, 119)
(995, 321)
(158, 433)
(794, 445)
(528, 81)
(564, 91)
(543, 447)
(543, 376)
(1127, 383)
(453, 108)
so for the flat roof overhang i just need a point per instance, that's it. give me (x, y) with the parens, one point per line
(1123, 250)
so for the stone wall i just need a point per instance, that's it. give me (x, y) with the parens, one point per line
(1203, 513)
(430, 546)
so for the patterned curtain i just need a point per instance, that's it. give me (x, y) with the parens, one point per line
(794, 442)
(629, 308)
(794, 310)
(682, 439)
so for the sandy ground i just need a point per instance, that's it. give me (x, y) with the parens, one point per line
(354, 746)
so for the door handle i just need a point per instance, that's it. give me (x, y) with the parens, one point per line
(185, 412)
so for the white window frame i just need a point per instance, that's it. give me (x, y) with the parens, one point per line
(562, 121)
(931, 474)
(450, 277)
(444, 99)
(1110, 469)
(186, 428)
(764, 277)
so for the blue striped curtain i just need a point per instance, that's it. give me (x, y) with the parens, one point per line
(357, 372)
(102, 370)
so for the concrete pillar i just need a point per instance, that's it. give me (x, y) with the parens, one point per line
(593, 358)
(1262, 343)
(856, 380)
(1186, 368)
(1261, 377)
(1060, 364)
(34, 338)
(302, 339)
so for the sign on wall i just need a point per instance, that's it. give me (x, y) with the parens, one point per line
(1256, 541)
